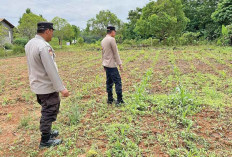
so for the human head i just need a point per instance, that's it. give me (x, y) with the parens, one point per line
(45, 29)
(111, 31)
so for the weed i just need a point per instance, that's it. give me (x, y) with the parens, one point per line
(6, 101)
(74, 114)
(24, 122)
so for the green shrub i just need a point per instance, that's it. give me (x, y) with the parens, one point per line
(18, 49)
(226, 37)
(189, 38)
(80, 41)
(170, 41)
(8, 46)
(130, 42)
(20, 41)
(2, 52)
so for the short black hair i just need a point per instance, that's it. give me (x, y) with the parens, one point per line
(109, 31)
(42, 31)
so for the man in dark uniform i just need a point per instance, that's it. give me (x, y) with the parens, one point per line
(110, 61)
(45, 81)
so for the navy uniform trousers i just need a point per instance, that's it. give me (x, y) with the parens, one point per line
(50, 108)
(113, 77)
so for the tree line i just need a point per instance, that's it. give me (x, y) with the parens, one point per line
(167, 22)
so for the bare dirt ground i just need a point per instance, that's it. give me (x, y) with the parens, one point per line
(17, 103)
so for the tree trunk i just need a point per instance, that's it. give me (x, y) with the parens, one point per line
(60, 42)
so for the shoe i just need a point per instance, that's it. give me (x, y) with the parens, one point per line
(54, 133)
(50, 143)
(118, 102)
(110, 101)
(119, 99)
(47, 141)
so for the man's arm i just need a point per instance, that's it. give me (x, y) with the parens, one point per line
(52, 72)
(115, 52)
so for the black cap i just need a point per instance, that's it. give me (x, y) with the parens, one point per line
(111, 28)
(44, 25)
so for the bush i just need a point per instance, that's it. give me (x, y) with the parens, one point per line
(18, 49)
(20, 41)
(189, 38)
(80, 41)
(8, 46)
(130, 42)
(2, 52)
(226, 37)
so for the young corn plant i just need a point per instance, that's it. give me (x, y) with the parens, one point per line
(179, 105)
(138, 100)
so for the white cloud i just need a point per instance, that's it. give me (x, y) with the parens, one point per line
(76, 12)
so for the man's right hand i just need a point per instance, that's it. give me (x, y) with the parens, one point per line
(65, 93)
(121, 68)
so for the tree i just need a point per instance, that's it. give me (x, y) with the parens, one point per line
(128, 28)
(77, 32)
(98, 25)
(161, 19)
(28, 24)
(199, 13)
(69, 33)
(223, 13)
(63, 30)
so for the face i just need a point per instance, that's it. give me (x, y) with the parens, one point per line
(49, 34)
(113, 33)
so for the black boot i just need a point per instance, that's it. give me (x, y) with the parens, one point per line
(110, 98)
(119, 99)
(47, 141)
(54, 133)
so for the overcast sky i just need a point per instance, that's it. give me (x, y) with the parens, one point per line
(76, 12)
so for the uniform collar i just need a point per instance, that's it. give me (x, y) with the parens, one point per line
(108, 35)
(39, 37)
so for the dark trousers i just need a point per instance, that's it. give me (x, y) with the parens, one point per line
(50, 108)
(113, 77)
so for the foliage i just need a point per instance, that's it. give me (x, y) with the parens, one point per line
(20, 41)
(138, 100)
(161, 19)
(17, 49)
(199, 13)
(8, 46)
(120, 143)
(179, 105)
(28, 24)
(128, 28)
(92, 153)
(80, 41)
(74, 115)
(103, 19)
(77, 31)
(63, 30)
(223, 13)
(189, 38)
(226, 37)
(2, 52)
